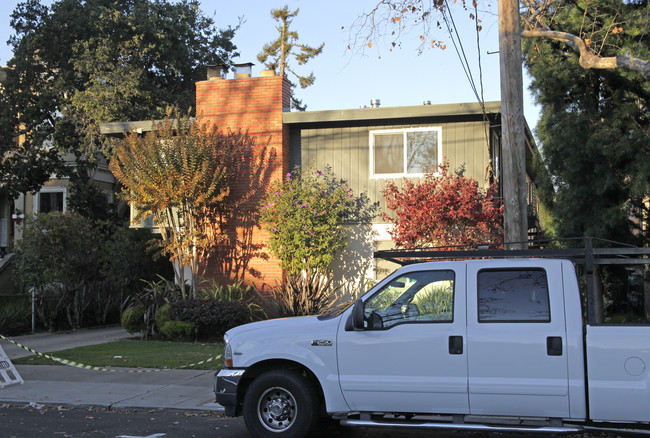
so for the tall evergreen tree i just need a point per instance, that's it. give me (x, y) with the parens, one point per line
(595, 124)
(277, 54)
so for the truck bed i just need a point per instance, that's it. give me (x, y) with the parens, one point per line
(617, 368)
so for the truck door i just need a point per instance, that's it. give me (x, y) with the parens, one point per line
(411, 355)
(516, 340)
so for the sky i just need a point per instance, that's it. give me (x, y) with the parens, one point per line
(347, 79)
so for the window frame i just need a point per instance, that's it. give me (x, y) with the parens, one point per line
(404, 131)
(452, 278)
(512, 321)
(56, 189)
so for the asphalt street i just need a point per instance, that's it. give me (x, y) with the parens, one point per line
(63, 401)
(61, 422)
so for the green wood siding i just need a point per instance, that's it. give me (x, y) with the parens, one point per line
(347, 150)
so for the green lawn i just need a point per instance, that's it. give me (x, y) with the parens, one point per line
(137, 354)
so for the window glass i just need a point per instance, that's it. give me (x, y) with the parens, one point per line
(514, 295)
(405, 152)
(389, 153)
(422, 151)
(425, 296)
(50, 201)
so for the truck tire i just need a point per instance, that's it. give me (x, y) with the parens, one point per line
(280, 404)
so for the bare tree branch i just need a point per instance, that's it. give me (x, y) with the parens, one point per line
(394, 18)
(589, 60)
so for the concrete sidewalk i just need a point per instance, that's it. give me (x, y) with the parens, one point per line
(48, 342)
(122, 389)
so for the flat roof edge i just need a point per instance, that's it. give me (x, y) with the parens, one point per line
(396, 112)
(140, 126)
(125, 127)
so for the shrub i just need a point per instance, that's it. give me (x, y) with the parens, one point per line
(212, 290)
(308, 215)
(172, 329)
(443, 209)
(57, 251)
(15, 313)
(126, 261)
(212, 317)
(163, 315)
(155, 295)
(301, 296)
(81, 270)
(133, 319)
(177, 329)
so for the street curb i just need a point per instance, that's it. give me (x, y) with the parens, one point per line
(217, 409)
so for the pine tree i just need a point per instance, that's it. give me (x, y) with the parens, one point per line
(276, 54)
(595, 124)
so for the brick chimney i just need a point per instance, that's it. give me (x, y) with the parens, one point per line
(253, 105)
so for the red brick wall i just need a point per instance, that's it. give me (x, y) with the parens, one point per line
(255, 106)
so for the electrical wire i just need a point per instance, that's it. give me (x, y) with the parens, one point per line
(468, 72)
(460, 50)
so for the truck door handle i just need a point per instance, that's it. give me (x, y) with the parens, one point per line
(554, 346)
(455, 345)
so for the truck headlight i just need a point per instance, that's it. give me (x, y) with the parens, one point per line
(227, 354)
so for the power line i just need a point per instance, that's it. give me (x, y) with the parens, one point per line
(468, 73)
(460, 51)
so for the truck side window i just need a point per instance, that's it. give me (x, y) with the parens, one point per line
(513, 295)
(425, 296)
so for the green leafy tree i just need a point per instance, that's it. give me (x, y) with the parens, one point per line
(56, 258)
(87, 198)
(595, 125)
(78, 63)
(179, 173)
(82, 270)
(307, 216)
(443, 209)
(276, 55)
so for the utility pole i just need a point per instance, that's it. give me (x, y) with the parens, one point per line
(513, 142)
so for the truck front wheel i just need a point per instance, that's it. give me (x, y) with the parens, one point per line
(281, 404)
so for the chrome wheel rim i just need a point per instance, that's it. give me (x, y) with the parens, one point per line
(277, 409)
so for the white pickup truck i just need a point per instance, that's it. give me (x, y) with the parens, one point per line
(494, 345)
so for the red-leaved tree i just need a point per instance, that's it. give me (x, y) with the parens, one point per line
(443, 209)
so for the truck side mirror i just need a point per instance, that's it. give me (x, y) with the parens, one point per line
(357, 315)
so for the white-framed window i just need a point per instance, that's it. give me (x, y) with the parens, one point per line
(50, 199)
(409, 152)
